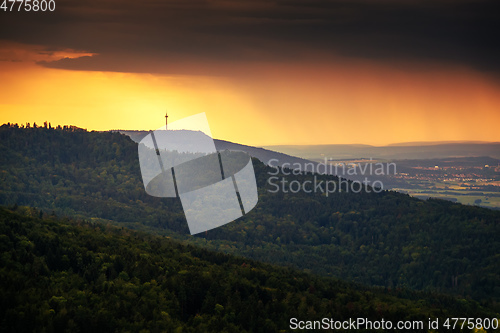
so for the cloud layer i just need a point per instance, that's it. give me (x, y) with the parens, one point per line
(224, 37)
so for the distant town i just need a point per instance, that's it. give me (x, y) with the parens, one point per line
(472, 181)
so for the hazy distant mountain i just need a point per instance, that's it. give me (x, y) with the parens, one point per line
(422, 150)
(306, 153)
(267, 156)
(434, 143)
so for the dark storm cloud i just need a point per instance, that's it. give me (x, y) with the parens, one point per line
(212, 37)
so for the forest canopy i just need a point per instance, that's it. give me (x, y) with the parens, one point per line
(385, 239)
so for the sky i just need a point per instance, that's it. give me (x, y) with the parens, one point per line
(264, 72)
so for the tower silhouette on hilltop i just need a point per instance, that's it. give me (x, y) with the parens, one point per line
(166, 121)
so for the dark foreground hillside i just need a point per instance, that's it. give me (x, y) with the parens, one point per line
(384, 239)
(58, 275)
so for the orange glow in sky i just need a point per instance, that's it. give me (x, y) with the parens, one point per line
(291, 103)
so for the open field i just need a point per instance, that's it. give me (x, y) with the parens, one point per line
(488, 199)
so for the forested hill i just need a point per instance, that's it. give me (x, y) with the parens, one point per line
(58, 275)
(385, 239)
(264, 155)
